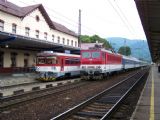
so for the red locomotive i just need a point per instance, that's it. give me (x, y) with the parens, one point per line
(96, 63)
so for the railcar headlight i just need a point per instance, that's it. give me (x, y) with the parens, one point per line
(99, 67)
(83, 67)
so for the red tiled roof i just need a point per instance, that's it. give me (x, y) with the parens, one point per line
(64, 29)
(15, 10)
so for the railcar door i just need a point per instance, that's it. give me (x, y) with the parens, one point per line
(62, 64)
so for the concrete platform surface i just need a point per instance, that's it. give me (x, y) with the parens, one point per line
(148, 107)
(13, 79)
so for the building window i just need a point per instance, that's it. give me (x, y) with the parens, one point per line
(37, 33)
(75, 43)
(1, 59)
(63, 41)
(26, 59)
(1, 25)
(67, 41)
(58, 39)
(27, 29)
(13, 59)
(53, 38)
(14, 27)
(37, 18)
(45, 36)
(71, 42)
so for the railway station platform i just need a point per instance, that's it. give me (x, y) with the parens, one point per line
(148, 107)
(15, 79)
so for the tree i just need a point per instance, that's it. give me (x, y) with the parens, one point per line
(125, 50)
(93, 39)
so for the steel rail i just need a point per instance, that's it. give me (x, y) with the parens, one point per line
(75, 109)
(15, 100)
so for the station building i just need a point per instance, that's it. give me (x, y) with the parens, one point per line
(25, 31)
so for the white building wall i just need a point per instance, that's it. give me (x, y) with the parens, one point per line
(31, 22)
(20, 57)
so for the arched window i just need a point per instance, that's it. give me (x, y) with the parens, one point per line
(37, 18)
(67, 41)
(71, 42)
(53, 38)
(58, 39)
(27, 30)
(45, 35)
(63, 41)
(37, 33)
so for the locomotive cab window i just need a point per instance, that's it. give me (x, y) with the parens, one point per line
(86, 55)
(95, 54)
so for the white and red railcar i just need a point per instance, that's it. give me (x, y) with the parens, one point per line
(96, 63)
(57, 65)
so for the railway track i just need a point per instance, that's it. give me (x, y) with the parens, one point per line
(9, 101)
(104, 104)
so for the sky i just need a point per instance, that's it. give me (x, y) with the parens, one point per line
(106, 18)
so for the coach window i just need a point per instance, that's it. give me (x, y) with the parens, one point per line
(1, 25)
(27, 29)
(1, 59)
(14, 28)
(13, 59)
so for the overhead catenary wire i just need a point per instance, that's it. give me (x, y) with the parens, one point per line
(120, 16)
(124, 16)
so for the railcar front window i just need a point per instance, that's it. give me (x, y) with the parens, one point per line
(51, 60)
(95, 54)
(86, 55)
(41, 61)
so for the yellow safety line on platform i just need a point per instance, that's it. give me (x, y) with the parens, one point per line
(152, 99)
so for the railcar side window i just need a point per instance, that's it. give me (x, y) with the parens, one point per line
(95, 54)
(86, 55)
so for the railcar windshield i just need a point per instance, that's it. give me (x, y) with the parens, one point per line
(95, 54)
(41, 60)
(51, 60)
(86, 54)
(47, 60)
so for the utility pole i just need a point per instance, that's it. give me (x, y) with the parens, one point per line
(125, 47)
(79, 28)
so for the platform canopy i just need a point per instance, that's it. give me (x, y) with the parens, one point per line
(149, 12)
(13, 41)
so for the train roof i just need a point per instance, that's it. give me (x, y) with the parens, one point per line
(56, 54)
(104, 50)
